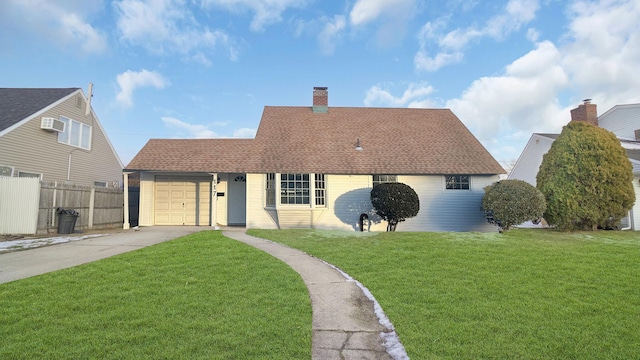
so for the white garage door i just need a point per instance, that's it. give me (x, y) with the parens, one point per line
(182, 201)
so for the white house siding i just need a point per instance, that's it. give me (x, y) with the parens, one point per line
(147, 186)
(622, 120)
(527, 166)
(31, 149)
(222, 201)
(447, 210)
(257, 216)
(348, 196)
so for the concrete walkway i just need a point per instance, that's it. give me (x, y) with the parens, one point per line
(345, 324)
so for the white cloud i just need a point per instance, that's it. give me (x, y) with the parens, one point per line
(603, 51)
(168, 26)
(331, 33)
(423, 61)
(450, 45)
(131, 80)
(365, 11)
(244, 133)
(266, 12)
(193, 131)
(391, 16)
(199, 131)
(523, 99)
(416, 95)
(62, 22)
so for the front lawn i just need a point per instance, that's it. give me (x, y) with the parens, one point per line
(524, 294)
(202, 296)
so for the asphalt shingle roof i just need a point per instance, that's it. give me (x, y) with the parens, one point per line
(295, 139)
(16, 104)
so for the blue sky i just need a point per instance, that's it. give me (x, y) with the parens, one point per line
(206, 68)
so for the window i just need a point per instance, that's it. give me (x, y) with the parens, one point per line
(102, 184)
(271, 189)
(381, 179)
(6, 170)
(75, 134)
(294, 189)
(29, 175)
(457, 182)
(320, 192)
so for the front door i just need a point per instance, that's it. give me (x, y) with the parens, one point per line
(237, 199)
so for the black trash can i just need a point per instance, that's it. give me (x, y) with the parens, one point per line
(67, 221)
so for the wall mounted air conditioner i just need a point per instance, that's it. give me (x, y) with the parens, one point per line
(52, 124)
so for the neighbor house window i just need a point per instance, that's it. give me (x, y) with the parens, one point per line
(381, 179)
(271, 189)
(29, 175)
(75, 134)
(102, 184)
(294, 189)
(457, 182)
(320, 190)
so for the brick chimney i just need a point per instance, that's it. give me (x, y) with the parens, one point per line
(586, 112)
(320, 99)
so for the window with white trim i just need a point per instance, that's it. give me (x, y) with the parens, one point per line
(457, 182)
(381, 179)
(102, 184)
(271, 190)
(320, 190)
(75, 134)
(6, 170)
(29, 175)
(294, 189)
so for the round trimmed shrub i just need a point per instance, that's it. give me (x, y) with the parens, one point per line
(394, 202)
(511, 202)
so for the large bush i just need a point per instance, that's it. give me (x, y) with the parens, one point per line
(586, 179)
(512, 202)
(394, 202)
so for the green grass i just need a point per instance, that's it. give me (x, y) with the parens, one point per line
(525, 294)
(198, 297)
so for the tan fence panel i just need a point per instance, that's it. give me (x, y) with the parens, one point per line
(19, 202)
(107, 210)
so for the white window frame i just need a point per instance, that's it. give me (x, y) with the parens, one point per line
(298, 188)
(320, 190)
(101, 184)
(11, 169)
(30, 174)
(459, 183)
(378, 179)
(76, 133)
(316, 190)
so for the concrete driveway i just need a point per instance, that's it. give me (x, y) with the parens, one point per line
(23, 264)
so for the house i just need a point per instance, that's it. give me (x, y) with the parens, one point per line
(53, 134)
(622, 120)
(314, 167)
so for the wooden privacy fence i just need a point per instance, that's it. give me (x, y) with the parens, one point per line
(98, 207)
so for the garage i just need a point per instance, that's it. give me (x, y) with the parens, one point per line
(182, 200)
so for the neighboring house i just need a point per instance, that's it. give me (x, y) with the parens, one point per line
(622, 120)
(53, 134)
(315, 166)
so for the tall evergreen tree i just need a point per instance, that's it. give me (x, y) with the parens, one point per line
(586, 179)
